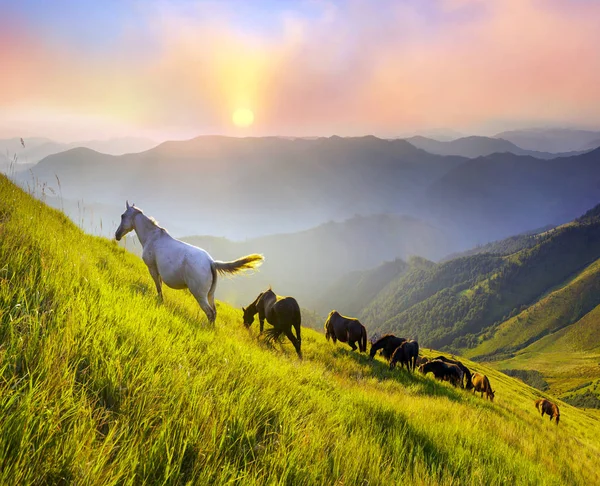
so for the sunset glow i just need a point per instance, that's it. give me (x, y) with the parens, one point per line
(74, 70)
(242, 117)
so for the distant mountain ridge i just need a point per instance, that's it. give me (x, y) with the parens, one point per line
(552, 139)
(307, 263)
(37, 148)
(490, 198)
(475, 146)
(246, 187)
(216, 185)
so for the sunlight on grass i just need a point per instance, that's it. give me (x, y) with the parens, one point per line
(102, 384)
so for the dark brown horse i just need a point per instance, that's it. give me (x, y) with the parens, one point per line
(482, 384)
(387, 344)
(282, 313)
(466, 372)
(346, 330)
(406, 354)
(443, 371)
(549, 408)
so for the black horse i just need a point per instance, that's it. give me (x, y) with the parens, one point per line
(282, 313)
(406, 354)
(388, 344)
(465, 370)
(443, 371)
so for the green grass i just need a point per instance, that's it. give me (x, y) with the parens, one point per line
(567, 358)
(102, 384)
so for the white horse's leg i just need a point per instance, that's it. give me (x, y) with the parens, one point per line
(200, 292)
(206, 307)
(156, 277)
(211, 300)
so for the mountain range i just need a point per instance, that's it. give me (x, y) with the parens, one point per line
(552, 139)
(305, 264)
(218, 185)
(34, 149)
(473, 146)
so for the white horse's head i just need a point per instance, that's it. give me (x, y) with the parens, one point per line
(127, 223)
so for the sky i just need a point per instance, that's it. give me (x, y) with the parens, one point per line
(77, 70)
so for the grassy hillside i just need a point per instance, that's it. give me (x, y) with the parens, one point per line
(101, 384)
(560, 308)
(558, 337)
(460, 302)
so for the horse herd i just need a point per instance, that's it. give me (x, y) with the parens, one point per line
(283, 313)
(181, 265)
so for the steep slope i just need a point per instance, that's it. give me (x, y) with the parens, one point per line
(506, 246)
(305, 264)
(102, 384)
(449, 303)
(557, 337)
(473, 146)
(560, 308)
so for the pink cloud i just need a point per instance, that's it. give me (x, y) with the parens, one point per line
(356, 70)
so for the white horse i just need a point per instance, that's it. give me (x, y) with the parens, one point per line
(178, 264)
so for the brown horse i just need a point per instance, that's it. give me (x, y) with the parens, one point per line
(346, 330)
(406, 354)
(549, 408)
(388, 344)
(282, 313)
(482, 384)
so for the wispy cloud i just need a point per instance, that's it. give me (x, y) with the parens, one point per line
(309, 68)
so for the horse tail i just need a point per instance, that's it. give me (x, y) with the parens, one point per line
(213, 284)
(363, 340)
(240, 265)
(273, 334)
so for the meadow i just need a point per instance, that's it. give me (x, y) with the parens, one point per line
(103, 384)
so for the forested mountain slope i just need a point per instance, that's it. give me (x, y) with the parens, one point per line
(449, 303)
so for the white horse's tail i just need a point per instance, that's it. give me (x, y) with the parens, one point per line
(240, 265)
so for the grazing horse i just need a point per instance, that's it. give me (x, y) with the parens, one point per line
(406, 354)
(374, 338)
(465, 370)
(547, 407)
(388, 343)
(178, 264)
(346, 330)
(482, 384)
(282, 313)
(443, 371)
(422, 360)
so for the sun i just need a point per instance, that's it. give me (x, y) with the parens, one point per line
(242, 117)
